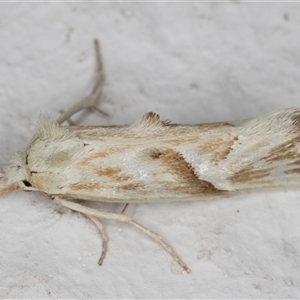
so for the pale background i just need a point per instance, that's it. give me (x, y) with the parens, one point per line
(191, 63)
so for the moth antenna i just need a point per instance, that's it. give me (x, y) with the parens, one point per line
(97, 91)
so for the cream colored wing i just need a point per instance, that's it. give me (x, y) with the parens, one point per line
(157, 161)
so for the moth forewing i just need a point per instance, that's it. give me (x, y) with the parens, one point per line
(155, 161)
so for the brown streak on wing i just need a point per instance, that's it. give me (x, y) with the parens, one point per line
(89, 159)
(221, 155)
(205, 127)
(293, 171)
(187, 180)
(211, 146)
(296, 162)
(113, 173)
(84, 186)
(284, 151)
(296, 122)
(102, 154)
(250, 174)
(140, 187)
(218, 147)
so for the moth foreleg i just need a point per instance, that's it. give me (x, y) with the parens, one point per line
(124, 208)
(122, 218)
(104, 238)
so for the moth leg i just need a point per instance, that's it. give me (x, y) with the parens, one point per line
(124, 208)
(104, 238)
(97, 92)
(125, 219)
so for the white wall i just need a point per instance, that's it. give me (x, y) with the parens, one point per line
(191, 63)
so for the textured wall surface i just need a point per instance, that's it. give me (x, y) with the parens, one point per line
(191, 63)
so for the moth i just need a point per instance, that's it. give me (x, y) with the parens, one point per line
(153, 161)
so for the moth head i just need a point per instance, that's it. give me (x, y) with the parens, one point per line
(11, 175)
(52, 146)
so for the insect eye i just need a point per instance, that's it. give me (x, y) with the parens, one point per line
(27, 183)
